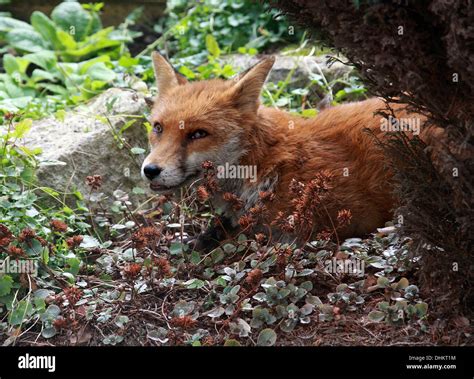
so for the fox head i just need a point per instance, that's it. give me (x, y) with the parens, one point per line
(201, 121)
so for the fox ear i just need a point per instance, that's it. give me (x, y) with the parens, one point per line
(165, 74)
(246, 90)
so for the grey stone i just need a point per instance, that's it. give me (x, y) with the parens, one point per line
(305, 68)
(85, 143)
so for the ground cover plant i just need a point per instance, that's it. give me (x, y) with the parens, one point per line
(125, 274)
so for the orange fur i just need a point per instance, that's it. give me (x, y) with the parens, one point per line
(280, 145)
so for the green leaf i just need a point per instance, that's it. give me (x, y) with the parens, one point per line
(74, 264)
(99, 71)
(121, 320)
(402, 283)
(376, 316)
(33, 248)
(229, 248)
(21, 312)
(195, 257)
(74, 19)
(60, 115)
(232, 342)
(383, 282)
(187, 72)
(194, 283)
(127, 61)
(212, 46)
(39, 75)
(22, 128)
(138, 191)
(70, 278)
(46, 28)
(177, 248)
(421, 309)
(92, 45)
(89, 242)
(383, 305)
(6, 282)
(51, 313)
(66, 40)
(309, 112)
(45, 59)
(10, 64)
(26, 40)
(217, 255)
(49, 332)
(267, 337)
(8, 23)
(137, 150)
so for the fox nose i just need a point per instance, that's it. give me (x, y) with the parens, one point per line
(151, 171)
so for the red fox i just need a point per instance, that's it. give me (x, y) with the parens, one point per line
(222, 121)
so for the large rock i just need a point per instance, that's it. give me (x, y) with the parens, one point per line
(88, 141)
(306, 68)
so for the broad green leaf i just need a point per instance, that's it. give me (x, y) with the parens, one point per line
(73, 19)
(421, 309)
(13, 105)
(89, 242)
(177, 248)
(127, 61)
(26, 40)
(8, 23)
(212, 46)
(383, 282)
(194, 283)
(74, 264)
(187, 72)
(138, 191)
(47, 28)
(21, 312)
(54, 88)
(51, 313)
(99, 71)
(49, 332)
(45, 59)
(39, 75)
(195, 257)
(10, 64)
(376, 316)
(66, 40)
(84, 66)
(217, 255)
(229, 248)
(137, 150)
(6, 282)
(267, 337)
(402, 283)
(22, 128)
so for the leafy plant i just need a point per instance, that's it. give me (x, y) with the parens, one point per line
(64, 59)
(402, 304)
(45, 241)
(235, 24)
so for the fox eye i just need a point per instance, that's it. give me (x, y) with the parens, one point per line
(198, 134)
(157, 128)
